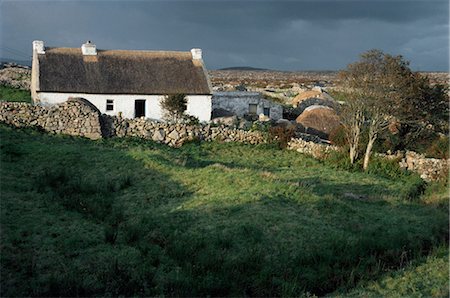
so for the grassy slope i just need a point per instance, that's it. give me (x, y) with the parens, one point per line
(426, 279)
(132, 217)
(13, 94)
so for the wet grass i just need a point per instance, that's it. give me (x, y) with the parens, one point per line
(131, 217)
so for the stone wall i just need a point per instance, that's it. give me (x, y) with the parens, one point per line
(429, 169)
(176, 134)
(314, 149)
(76, 117)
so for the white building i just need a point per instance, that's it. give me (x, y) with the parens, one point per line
(131, 83)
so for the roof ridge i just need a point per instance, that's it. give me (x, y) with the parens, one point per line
(122, 50)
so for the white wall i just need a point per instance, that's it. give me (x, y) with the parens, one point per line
(198, 105)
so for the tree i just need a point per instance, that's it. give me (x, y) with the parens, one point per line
(174, 106)
(352, 118)
(382, 88)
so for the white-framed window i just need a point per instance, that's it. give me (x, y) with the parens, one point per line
(110, 104)
(267, 112)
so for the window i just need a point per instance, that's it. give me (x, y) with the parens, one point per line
(252, 108)
(267, 112)
(110, 105)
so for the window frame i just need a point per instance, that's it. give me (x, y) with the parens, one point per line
(109, 105)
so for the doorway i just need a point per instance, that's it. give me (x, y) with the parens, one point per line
(139, 108)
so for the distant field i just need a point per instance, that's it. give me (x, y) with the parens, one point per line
(131, 217)
(12, 94)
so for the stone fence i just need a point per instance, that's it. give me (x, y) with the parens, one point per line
(79, 117)
(76, 117)
(429, 169)
(176, 134)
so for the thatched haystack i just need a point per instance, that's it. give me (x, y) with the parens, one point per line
(302, 96)
(320, 118)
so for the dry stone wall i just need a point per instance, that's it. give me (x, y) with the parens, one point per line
(176, 134)
(79, 117)
(316, 150)
(75, 117)
(429, 169)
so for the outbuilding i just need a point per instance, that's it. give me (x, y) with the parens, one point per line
(243, 103)
(126, 82)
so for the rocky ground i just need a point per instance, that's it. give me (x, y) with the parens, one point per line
(15, 76)
(230, 79)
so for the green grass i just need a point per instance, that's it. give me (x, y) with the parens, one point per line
(13, 94)
(131, 217)
(426, 279)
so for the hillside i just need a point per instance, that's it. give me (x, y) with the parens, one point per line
(131, 217)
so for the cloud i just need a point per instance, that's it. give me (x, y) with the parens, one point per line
(290, 35)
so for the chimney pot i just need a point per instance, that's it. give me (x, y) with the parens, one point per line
(196, 54)
(89, 49)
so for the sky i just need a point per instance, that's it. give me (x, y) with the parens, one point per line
(283, 35)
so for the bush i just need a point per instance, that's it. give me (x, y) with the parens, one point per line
(338, 137)
(281, 135)
(439, 148)
(174, 105)
(414, 188)
(340, 160)
(384, 167)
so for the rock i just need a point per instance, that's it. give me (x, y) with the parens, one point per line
(174, 135)
(158, 135)
(263, 118)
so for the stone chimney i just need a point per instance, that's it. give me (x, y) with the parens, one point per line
(196, 54)
(89, 49)
(38, 47)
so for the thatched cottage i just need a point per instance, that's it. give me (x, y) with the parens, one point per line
(131, 83)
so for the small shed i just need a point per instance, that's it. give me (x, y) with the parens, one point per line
(241, 103)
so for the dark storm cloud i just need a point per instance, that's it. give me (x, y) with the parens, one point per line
(290, 35)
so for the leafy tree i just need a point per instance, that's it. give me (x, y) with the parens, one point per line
(174, 106)
(383, 89)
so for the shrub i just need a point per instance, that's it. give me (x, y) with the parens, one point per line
(281, 135)
(439, 148)
(414, 188)
(384, 167)
(337, 136)
(191, 120)
(174, 105)
(339, 160)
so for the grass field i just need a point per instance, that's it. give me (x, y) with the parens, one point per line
(13, 94)
(131, 217)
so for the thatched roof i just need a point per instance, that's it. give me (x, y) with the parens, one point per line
(321, 118)
(121, 72)
(302, 96)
